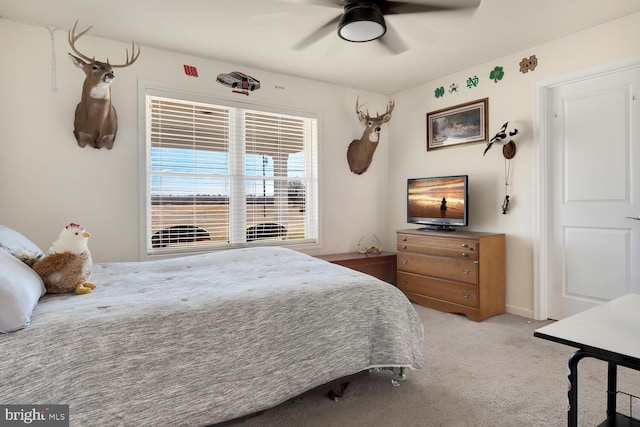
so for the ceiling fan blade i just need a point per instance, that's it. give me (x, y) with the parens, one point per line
(332, 3)
(392, 41)
(319, 33)
(282, 13)
(328, 3)
(335, 47)
(402, 7)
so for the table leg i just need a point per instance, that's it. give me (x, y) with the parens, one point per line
(612, 389)
(572, 382)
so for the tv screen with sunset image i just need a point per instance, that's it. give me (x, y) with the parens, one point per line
(437, 200)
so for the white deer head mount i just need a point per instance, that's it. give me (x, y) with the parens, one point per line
(360, 151)
(96, 122)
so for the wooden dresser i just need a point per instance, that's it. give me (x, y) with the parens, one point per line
(458, 272)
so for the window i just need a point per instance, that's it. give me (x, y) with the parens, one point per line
(222, 174)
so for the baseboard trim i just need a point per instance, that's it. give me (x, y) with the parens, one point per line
(519, 311)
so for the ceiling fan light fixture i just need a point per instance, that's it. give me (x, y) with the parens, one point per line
(361, 22)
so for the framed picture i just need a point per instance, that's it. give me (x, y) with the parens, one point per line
(460, 124)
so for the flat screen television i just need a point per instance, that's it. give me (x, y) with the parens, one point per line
(439, 203)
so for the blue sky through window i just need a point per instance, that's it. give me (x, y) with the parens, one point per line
(181, 172)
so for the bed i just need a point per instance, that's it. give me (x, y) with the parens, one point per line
(203, 339)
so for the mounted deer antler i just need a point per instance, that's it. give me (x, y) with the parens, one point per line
(360, 152)
(96, 122)
(374, 248)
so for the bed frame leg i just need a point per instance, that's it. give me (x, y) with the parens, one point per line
(336, 393)
(398, 375)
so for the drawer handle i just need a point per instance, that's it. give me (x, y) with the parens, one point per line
(404, 239)
(403, 282)
(404, 246)
(464, 254)
(466, 294)
(465, 271)
(464, 245)
(405, 261)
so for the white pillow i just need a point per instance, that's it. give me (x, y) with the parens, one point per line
(16, 243)
(20, 290)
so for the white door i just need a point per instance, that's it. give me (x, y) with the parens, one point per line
(593, 187)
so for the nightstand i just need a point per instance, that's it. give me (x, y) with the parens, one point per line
(382, 266)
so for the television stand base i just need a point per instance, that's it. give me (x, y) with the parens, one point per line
(437, 228)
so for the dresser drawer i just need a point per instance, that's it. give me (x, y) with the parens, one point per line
(458, 248)
(459, 270)
(457, 293)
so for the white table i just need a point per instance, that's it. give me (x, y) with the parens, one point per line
(609, 332)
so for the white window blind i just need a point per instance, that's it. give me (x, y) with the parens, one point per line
(226, 176)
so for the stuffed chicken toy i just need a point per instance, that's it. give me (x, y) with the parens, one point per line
(67, 266)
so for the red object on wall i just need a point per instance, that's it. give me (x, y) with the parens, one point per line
(190, 70)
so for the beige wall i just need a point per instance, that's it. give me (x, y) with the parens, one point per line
(46, 180)
(510, 99)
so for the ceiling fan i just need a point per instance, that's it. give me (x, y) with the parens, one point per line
(364, 20)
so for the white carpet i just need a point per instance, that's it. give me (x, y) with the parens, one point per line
(488, 374)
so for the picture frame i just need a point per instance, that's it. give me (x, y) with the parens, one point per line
(461, 124)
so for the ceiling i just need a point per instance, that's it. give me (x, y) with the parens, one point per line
(262, 34)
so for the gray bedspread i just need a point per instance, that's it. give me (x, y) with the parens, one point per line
(202, 339)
